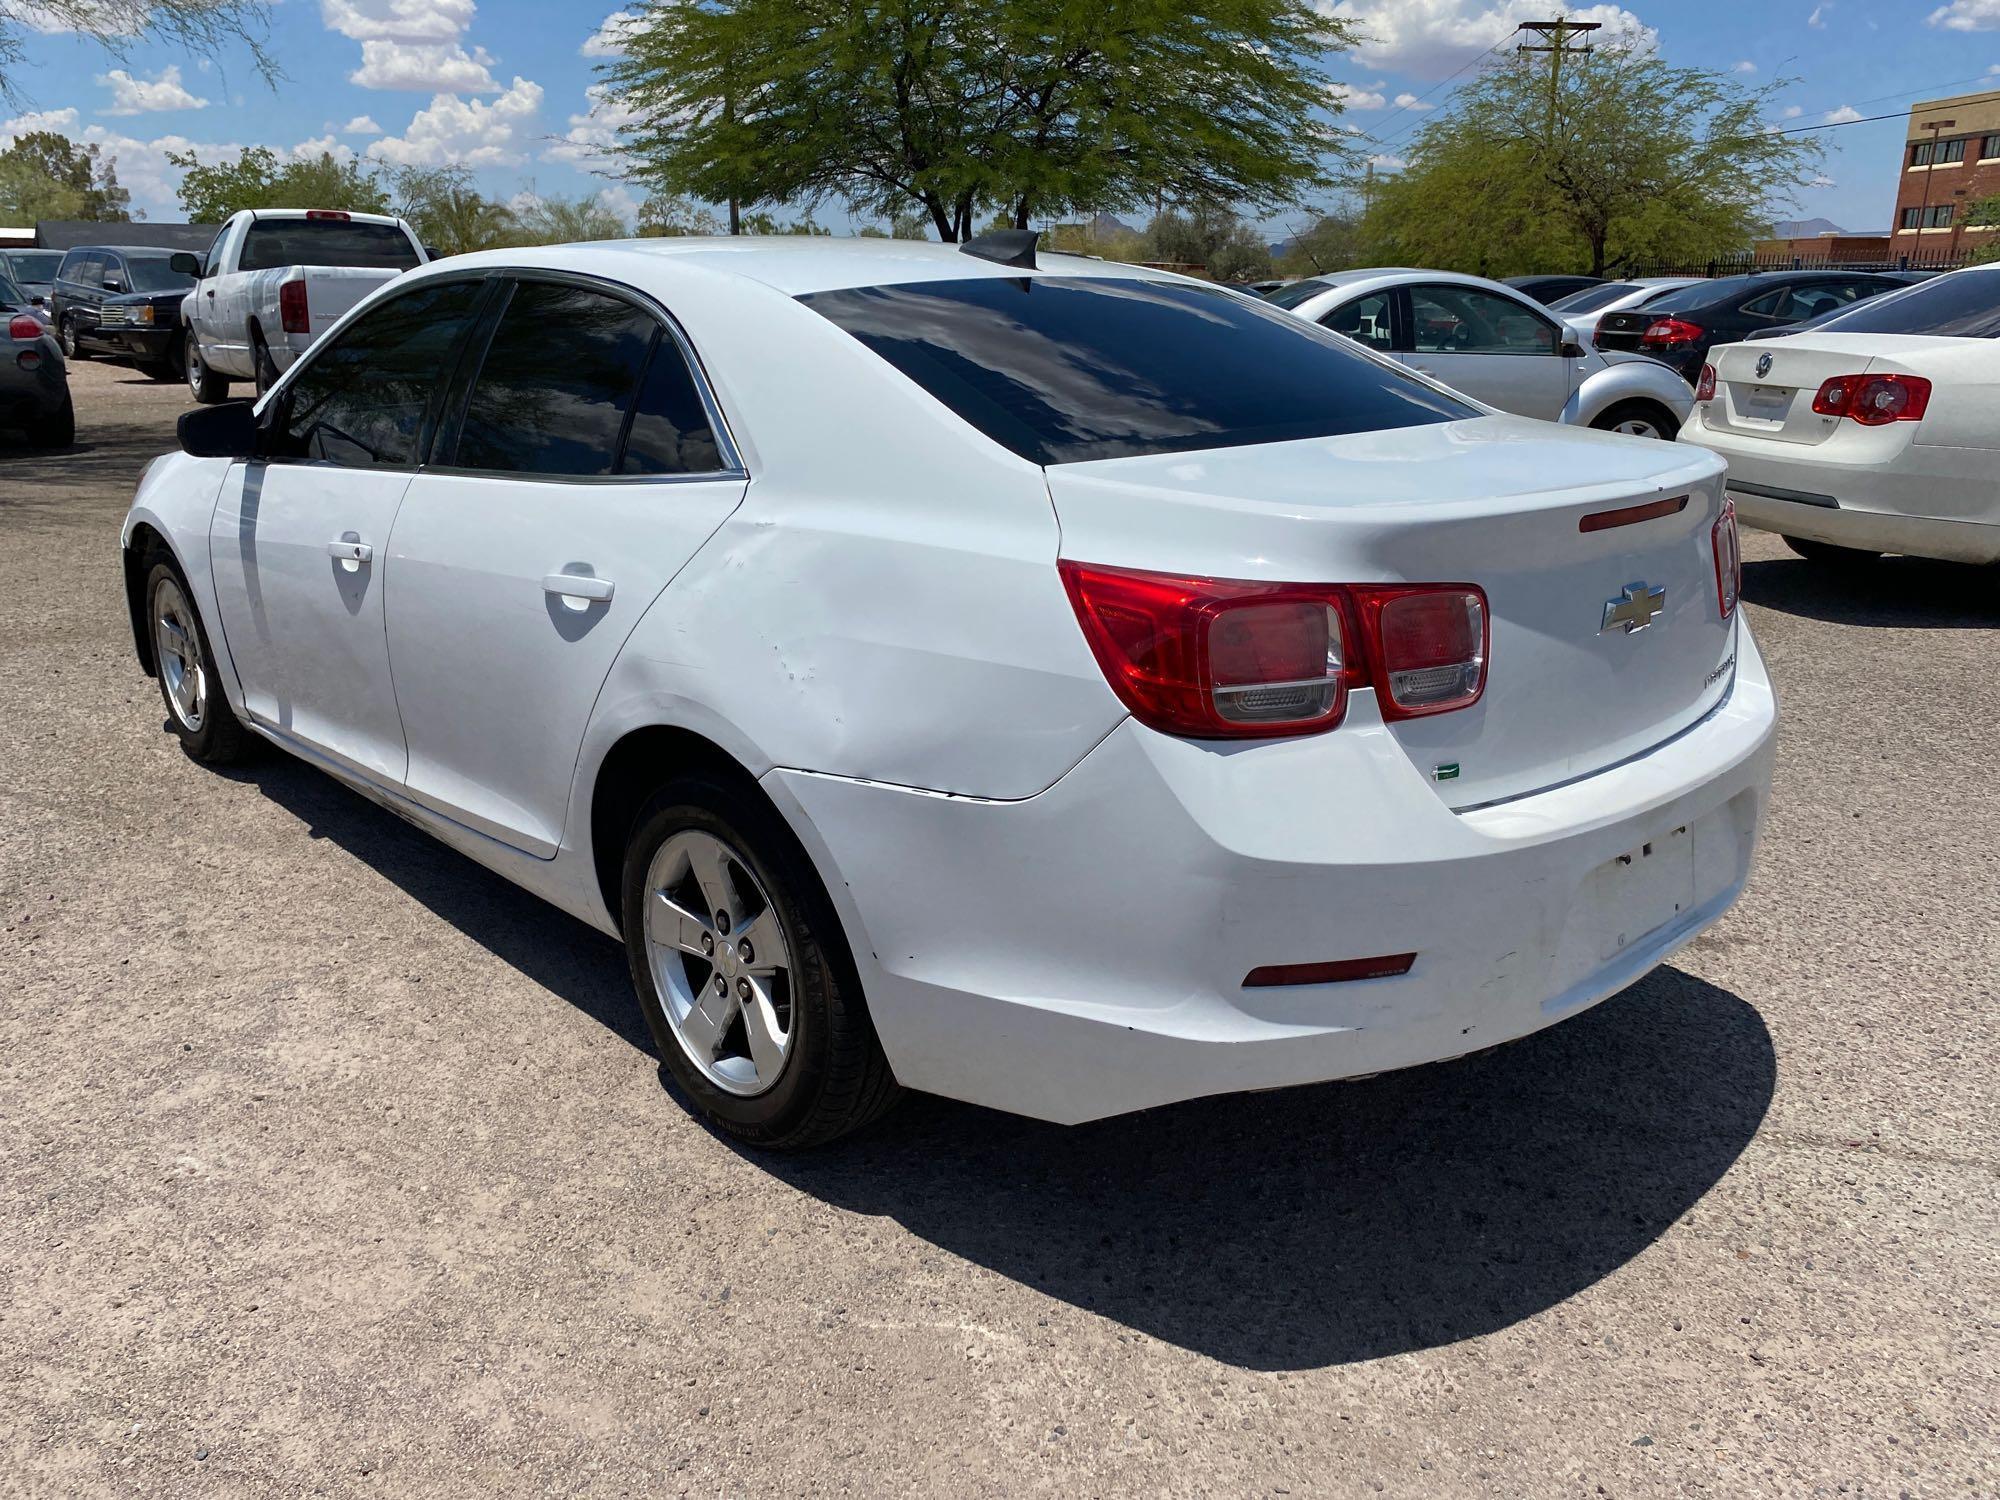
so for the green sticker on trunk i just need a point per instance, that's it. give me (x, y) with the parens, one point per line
(1446, 772)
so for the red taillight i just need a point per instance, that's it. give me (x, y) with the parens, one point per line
(21, 326)
(328, 213)
(1727, 545)
(1874, 400)
(1227, 659)
(1704, 389)
(1671, 331)
(292, 311)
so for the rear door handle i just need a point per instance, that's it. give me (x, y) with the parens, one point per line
(578, 586)
(348, 550)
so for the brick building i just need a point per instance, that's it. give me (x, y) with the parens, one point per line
(1951, 161)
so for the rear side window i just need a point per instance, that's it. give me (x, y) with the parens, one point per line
(361, 400)
(1066, 369)
(557, 383)
(670, 432)
(326, 242)
(1965, 305)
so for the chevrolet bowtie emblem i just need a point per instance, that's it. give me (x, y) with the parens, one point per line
(1633, 609)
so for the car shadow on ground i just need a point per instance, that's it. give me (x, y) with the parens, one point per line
(1906, 592)
(1276, 1231)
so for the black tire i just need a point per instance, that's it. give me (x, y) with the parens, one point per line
(57, 430)
(72, 346)
(834, 1079)
(261, 361)
(204, 384)
(219, 738)
(1828, 555)
(1654, 415)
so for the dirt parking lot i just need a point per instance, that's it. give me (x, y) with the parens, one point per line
(335, 1165)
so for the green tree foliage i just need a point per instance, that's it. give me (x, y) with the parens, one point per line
(1211, 236)
(1985, 211)
(963, 106)
(198, 26)
(1627, 159)
(258, 179)
(1332, 242)
(567, 221)
(44, 175)
(665, 215)
(448, 215)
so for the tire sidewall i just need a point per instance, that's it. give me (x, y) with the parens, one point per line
(1664, 430)
(820, 967)
(199, 743)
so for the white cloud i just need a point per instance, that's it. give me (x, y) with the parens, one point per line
(361, 125)
(1816, 19)
(609, 39)
(470, 131)
(1847, 114)
(398, 20)
(1968, 15)
(423, 67)
(1410, 101)
(1387, 163)
(620, 200)
(111, 17)
(138, 96)
(61, 121)
(593, 135)
(326, 145)
(1350, 97)
(1791, 112)
(1822, 181)
(1433, 38)
(1746, 66)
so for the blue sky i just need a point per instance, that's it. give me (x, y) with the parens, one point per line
(505, 85)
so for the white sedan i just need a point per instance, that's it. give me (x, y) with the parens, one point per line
(1495, 345)
(1061, 685)
(1581, 309)
(1876, 431)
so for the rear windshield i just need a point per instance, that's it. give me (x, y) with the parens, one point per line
(1965, 305)
(326, 242)
(1064, 369)
(153, 274)
(1591, 298)
(33, 265)
(1299, 291)
(1702, 293)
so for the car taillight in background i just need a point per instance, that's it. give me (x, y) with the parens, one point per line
(1874, 400)
(1664, 331)
(21, 326)
(1727, 545)
(1704, 389)
(1224, 659)
(292, 312)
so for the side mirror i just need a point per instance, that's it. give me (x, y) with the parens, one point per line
(38, 300)
(226, 430)
(113, 284)
(181, 263)
(431, 252)
(1571, 349)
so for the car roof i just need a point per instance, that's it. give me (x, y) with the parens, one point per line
(356, 216)
(144, 252)
(799, 265)
(1385, 276)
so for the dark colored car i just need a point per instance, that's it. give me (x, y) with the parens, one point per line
(124, 301)
(1679, 329)
(34, 382)
(1965, 306)
(1546, 289)
(33, 271)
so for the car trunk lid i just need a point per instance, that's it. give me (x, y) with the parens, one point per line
(1497, 502)
(1623, 330)
(1766, 388)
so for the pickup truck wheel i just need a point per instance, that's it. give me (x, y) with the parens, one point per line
(72, 346)
(57, 429)
(1646, 419)
(206, 386)
(1829, 555)
(260, 358)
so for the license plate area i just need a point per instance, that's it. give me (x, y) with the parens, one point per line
(1637, 893)
(1766, 405)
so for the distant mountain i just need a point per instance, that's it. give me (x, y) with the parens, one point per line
(1105, 225)
(1804, 229)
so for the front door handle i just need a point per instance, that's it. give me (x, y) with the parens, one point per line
(578, 586)
(349, 550)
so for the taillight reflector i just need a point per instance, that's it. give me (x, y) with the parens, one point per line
(1874, 400)
(1671, 331)
(21, 326)
(1631, 515)
(1215, 658)
(1338, 971)
(1727, 544)
(292, 310)
(1704, 388)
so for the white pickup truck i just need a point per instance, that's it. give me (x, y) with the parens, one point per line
(276, 279)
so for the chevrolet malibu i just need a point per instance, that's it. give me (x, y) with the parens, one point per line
(1052, 684)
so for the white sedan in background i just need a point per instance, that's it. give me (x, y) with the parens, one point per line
(1876, 431)
(1580, 310)
(1495, 345)
(1053, 684)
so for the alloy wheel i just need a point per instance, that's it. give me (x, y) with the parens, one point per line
(1637, 427)
(720, 962)
(177, 651)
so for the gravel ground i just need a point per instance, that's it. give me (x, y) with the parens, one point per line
(335, 1165)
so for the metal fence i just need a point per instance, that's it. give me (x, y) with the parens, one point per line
(1744, 265)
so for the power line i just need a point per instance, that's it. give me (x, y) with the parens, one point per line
(1899, 114)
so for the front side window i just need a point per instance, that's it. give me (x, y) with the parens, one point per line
(1064, 369)
(361, 400)
(557, 383)
(155, 275)
(1467, 320)
(1366, 320)
(326, 242)
(84, 268)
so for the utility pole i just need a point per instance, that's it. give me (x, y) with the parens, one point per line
(1555, 36)
(1924, 213)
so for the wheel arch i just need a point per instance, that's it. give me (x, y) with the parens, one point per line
(144, 546)
(1634, 380)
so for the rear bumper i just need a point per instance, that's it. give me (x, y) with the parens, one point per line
(28, 396)
(1934, 502)
(1081, 953)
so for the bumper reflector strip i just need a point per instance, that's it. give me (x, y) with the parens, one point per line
(1630, 515)
(1385, 967)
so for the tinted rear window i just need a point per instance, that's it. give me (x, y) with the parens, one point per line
(34, 265)
(1702, 293)
(1591, 298)
(325, 242)
(1064, 369)
(1966, 306)
(1299, 291)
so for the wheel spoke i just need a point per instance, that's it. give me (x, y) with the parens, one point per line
(711, 872)
(766, 940)
(707, 1019)
(767, 1042)
(674, 926)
